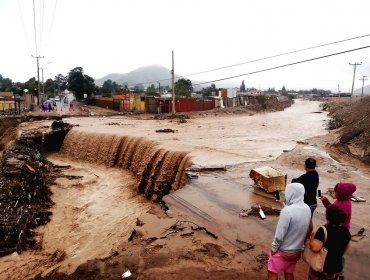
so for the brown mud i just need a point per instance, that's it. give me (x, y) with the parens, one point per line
(101, 228)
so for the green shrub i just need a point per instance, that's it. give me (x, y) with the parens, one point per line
(262, 100)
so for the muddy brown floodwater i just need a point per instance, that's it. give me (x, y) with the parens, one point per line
(93, 215)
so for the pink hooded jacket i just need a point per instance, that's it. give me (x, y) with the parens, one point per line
(344, 193)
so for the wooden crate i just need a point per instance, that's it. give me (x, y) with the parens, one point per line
(268, 178)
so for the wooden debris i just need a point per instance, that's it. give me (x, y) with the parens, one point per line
(166, 130)
(178, 227)
(139, 222)
(132, 235)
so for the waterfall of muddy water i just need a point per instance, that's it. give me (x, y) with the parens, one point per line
(157, 170)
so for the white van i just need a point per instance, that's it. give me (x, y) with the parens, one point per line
(57, 98)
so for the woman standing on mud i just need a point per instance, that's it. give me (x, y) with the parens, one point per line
(290, 233)
(336, 241)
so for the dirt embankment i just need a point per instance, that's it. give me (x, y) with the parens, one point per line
(351, 119)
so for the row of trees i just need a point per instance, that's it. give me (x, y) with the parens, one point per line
(83, 85)
(283, 90)
(76, 81)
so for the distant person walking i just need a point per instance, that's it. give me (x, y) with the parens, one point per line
(310, 181)
(290, 234)
(336, 243)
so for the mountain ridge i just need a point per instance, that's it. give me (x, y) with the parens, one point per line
(145, 75)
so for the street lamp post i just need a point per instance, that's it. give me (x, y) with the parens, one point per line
(42, 76)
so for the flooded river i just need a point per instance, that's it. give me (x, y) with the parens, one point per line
(112, 153)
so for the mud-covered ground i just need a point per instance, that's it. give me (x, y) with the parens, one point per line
(101, 227)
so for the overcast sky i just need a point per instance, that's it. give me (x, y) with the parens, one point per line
(118, 36)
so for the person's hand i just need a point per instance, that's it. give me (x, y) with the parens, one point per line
(279, 201)
(323, 198)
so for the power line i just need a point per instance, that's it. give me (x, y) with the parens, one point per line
(51, 25)
(41, 24)
(263, 58)
(34, 26)
(23, 25)
(282, 66)
(278, 55)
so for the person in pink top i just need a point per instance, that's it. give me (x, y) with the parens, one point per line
(343, 192)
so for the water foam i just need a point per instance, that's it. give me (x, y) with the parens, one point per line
(158, 171)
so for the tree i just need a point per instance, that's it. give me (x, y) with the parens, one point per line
(60, 83)
(151, 91)
(209, 91)
(183, 88)
(283, 90)
(49, 87)
(109, 87)
(80, 84)
(242, 87)
(271, 90)
(5, 84)
(139, 87)
(31, 85)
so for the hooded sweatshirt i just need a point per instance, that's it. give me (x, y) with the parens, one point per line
(294, 220)
(344, 193)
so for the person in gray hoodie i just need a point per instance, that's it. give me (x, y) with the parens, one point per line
(290, 234)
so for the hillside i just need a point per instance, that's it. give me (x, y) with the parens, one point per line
(359, 91)
(146, 76)
(351, 118)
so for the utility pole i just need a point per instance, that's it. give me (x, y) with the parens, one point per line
(354, 73)
(363, 81)
(173, 86)
(338, 90)
(159, 89)
(38, 77)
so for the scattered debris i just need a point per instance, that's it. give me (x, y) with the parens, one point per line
(360, 235)
(208, 232)
(126, 274)
(166, 130)
(262, 260)
(139, 222)
(200, 168)
(256, 209)
(70, 177)
(191, 175)
(358, 199)
(132, 235)
(178, 116)
(180, 226)
(58, 256)
(24, 196)
(248, 246)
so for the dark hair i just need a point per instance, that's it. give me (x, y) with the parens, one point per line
(335, 215)
(310, 163)
(336, 187)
